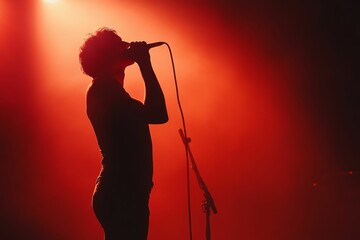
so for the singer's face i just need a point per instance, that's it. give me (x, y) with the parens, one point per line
(124, 59)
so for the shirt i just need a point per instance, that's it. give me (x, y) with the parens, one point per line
(122, 133)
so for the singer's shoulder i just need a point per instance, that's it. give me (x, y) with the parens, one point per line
(107, 91)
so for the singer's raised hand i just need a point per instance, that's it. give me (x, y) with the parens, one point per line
(139, 52)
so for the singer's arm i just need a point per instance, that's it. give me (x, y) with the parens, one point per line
(155, 106)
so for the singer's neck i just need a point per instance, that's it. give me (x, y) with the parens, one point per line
(120, 78)
(117, 72)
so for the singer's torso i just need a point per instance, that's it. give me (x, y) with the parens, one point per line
(123, 136)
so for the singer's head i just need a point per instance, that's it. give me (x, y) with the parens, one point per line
(102, 54)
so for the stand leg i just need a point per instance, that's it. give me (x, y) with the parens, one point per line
(208, 224)
(206, 209)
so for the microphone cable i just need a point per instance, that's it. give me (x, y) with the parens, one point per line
(187, 141)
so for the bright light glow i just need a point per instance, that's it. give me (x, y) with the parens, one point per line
(50, 1)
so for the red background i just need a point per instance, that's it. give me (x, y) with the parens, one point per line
(270, 95)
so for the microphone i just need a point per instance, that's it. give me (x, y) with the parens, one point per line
(129, 52)
(155, 44)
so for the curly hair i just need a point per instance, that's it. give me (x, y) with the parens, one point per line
(98, 51)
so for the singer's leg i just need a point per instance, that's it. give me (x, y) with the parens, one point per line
(122, 216)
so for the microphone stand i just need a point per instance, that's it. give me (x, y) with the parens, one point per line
(208, 203)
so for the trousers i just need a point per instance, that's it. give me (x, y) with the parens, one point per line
(122, 213)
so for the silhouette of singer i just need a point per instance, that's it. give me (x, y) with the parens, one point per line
(121, 194)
